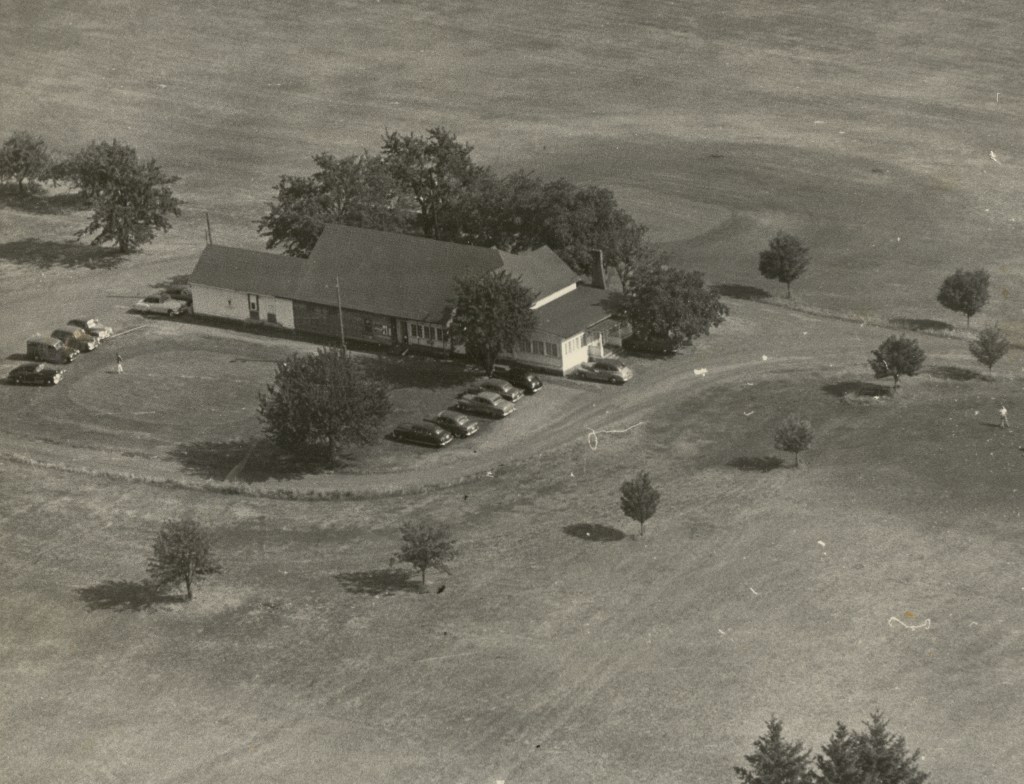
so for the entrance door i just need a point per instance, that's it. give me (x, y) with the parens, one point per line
(254, 307)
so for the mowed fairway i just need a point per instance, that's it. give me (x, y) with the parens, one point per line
(551, 656)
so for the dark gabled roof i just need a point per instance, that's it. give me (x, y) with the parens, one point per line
(388, 273)
(254, 271)
(540, 270)
(581, 308)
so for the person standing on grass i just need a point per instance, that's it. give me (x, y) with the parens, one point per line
(1003, 421)
(120, 365)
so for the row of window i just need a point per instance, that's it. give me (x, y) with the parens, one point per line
(539, 347)
(426, 332)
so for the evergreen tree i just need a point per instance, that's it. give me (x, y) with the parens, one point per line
(882, 756)
(775, 760)
(839, 762)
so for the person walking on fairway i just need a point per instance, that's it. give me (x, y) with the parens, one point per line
(120, 365)
(1003, 421)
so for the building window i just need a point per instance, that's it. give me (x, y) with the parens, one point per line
(417, 330)
(272, 318)
(537, 347)
(551, 349)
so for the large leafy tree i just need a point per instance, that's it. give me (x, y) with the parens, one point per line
(776, 760)
(131, 199)
(491, 315)
(785, 259)
(321, 402)
(426, 546)
(990, 346)
(437, 170)
(356, 191)
(965, 291)
(667, 303)
(181, 554)
(897, 356)
(24, 158)
(639, 499)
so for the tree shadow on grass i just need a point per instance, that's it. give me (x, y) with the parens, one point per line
(953, 373)
(244, 461)
(125, 595)
(739, 291)
(919, 325)
(379, 581)
(594, 532)
(857, 389)
(765, 464)
(35, 199)
(45, 254)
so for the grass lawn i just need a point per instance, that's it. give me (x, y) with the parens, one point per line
(754, 592)
(886, 137)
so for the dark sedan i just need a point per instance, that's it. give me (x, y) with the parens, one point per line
(35, 373)
(456, 423)
(426, 434)
(529, 382)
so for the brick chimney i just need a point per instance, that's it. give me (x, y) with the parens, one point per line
(597, 269)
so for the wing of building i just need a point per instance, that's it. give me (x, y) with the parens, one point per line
(396, 290)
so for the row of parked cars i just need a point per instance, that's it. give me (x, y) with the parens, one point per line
(493, 397)
(60, 348)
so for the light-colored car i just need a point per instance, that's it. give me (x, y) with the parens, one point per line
(36, 373)
(93, 327)
(161, 303)
(456, 423)
(502, 387)
(489, 404)
(73, 337)
(610, 370)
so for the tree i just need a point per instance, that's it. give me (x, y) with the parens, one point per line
(437, 171)
(664, 302)
(882, 756)
(425, 546)
(181, 554)
(897, 356)
(785, 260)
(24, 158)
(965, 292)
(839, 762)
(130, 199)
(356, 191)
(794, 435)
(775, 760)
(491, 315)
(639, 499)
(990, 347)
(322, 401)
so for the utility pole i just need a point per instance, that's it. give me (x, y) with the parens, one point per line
(341, 318)
(209, 231)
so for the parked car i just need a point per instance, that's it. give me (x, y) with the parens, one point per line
(73, 337)
(43, 349)
(660, 346)
(35, 373)
(609, 369)
(529, 382)
(456, 423)
(93, 327)
(489, 404)
(180, 291)
(427, 434)
(502, 387)
(161, 303)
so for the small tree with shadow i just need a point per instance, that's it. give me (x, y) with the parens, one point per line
(426, 546)
(794, 435)
(965, 291)
(639, 499)
(181, 554)
(776, 760)
(24, 158)
(785, 260)
(897, 356)
(990, 347)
